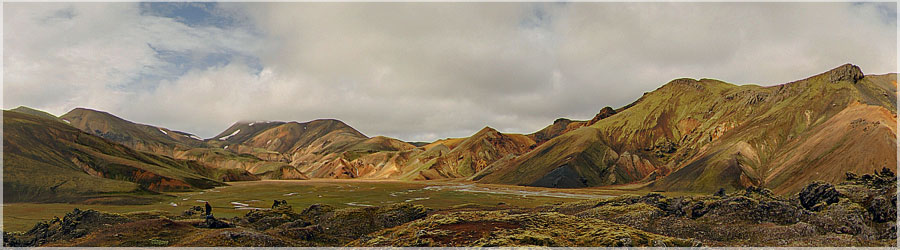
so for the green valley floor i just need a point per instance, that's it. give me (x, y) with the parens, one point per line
(861, 211)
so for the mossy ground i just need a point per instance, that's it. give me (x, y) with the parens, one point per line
(506, 228)
(858, 212)
(303, 193)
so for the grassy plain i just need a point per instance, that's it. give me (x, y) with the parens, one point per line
(237, 198)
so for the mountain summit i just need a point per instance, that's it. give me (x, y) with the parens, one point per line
(846, 72)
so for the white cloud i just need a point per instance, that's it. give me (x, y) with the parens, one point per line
(63, 55)
(421, 71)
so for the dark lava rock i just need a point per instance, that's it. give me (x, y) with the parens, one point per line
(742, 208)
(846, 72)
(858, 212)
(697, 209)
(816, 193)
(352, 223)
(244, 238)
(886, 173)
(603, 114)
(265, 219)
(753, 191)
(314, 211)
(866, 177)
(75, 224)
(212, 222)
(281, 206)
(890, 233)
(844, 218)
(720, 193)
(326, 225)
(196, 210)
(882, 209)
(303, 233)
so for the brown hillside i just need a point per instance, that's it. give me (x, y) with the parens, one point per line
(710, 134)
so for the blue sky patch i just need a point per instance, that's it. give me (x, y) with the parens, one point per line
(179, 62)
(190, 14)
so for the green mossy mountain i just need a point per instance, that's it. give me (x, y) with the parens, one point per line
(701, 135)
(49, 161)
(35, 112)
(230, 165)
(137, 136)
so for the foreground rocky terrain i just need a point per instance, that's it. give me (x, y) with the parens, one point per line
(859, 211)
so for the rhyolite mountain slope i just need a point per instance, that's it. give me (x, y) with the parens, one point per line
(324, 148)
(563, 125)
(316, 148)
(702, 135)
(444, 159)
(137, 136)
(305, 142)
(49, 161)
(475, 153)
(35, 112)
(177, 144)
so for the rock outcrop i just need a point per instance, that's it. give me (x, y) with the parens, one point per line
(846, 72)
(817, 195)
(75, 224)
(603, 114)
(858, 212)
(212, 222)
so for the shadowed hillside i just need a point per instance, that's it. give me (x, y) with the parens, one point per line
(179, 145)
(137, 136)
(49, 161)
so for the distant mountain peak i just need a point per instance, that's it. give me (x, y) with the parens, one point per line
(251, 123)
(684, 82)
(39, 113)
(93, 115)
(23, 108)
(87, 110)
(330, 121)
(487, 129)
(604, 113)
(846, 72)
(559, 120)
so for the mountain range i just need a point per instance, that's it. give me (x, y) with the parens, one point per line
(687, 136)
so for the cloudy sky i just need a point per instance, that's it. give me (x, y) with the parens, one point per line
(414, 71)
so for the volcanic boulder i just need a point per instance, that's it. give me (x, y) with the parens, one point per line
(212, 222)
(816, 193)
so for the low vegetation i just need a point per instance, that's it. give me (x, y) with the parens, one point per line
(861, 211)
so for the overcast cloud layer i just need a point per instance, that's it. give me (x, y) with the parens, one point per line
(415, 71)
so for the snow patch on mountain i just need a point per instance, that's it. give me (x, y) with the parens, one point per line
(229, 136)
